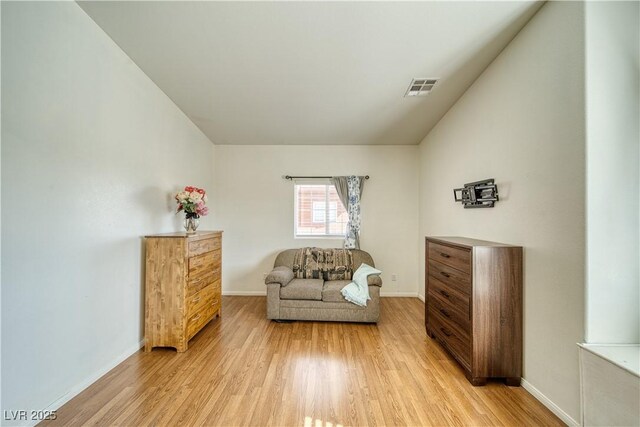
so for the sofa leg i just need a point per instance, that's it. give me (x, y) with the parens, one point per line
(283, 321)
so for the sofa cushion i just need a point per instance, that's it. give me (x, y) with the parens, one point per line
(331, 290)
(303, 289)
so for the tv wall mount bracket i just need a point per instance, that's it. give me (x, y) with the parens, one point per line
(479, 194)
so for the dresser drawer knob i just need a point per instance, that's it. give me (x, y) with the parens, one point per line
(445, 331)
(445, 274)
(196, 317)
(196, 299)
(442, 254)
(445, 294)
(445, 313)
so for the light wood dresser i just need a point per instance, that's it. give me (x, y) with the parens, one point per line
(182, 285)
(474, 305)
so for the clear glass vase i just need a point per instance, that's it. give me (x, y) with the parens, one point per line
(191, 224)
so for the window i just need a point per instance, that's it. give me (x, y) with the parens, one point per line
(319, 215)
(312, 218)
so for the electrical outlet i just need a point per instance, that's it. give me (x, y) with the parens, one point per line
(394, 277)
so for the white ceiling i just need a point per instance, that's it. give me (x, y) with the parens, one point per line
(311, 72)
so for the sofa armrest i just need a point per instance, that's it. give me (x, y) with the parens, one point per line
(374, 280)
(273, 301)
(281, 275)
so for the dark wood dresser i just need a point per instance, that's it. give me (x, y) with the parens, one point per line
(474, 305)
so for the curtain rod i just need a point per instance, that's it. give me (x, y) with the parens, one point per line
(313, 177)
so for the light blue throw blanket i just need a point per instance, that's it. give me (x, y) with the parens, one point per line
(357, 291)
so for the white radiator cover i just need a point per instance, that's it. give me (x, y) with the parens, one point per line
(610, 384)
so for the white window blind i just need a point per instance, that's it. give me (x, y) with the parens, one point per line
(312, 218)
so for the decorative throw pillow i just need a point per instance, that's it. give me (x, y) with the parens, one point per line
(338, 264)
(306, 264)
(338, 273)
(327, 264)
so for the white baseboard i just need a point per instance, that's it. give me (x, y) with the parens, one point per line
(399, 294)
(549, 404)
(421, 298)
(246, 293)
(79, 388)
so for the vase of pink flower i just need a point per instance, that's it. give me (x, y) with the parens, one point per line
(192, 201)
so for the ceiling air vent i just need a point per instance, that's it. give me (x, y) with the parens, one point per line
(421, 87)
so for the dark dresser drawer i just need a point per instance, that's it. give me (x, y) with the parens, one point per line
(443, 308)
(450, 276)
(456, 341)
(457, 300)
(460, 259)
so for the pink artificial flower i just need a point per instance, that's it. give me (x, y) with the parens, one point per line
(201, 209)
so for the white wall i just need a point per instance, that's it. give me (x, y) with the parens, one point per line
(91, 150)
(613, 138)
(1, 406)
(522, 123)
(254, 207)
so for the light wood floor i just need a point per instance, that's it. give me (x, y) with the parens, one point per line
(245, 370)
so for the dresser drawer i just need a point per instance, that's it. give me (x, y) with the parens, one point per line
(456, 299)
(195, 285)
(203, 269)
(456, 342)
(217, 301)
(217, 270)
(457, 258)
(196, 321)
(442, 307)
(201, 263)
(450, 276)
(217, 289)
(197, 301)
(202, 246)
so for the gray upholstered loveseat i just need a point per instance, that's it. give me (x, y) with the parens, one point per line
(296, 293)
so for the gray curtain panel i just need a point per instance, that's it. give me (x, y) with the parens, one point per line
(342, 188)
